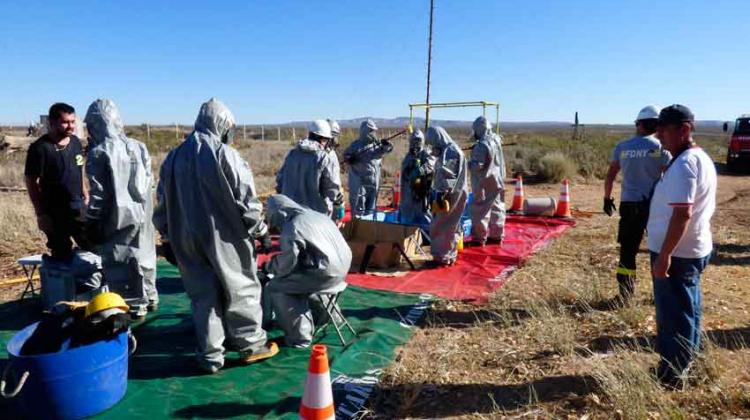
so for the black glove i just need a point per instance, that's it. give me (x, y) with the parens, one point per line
(609, 206)
(167, 253)
(265, 244)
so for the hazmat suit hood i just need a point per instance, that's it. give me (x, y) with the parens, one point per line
(416, 141)
(367, 130)
(103, 121)
(282, 209)
(215, 119)
(438, 139)
(105, 125)
(481, 127)
(309, 146)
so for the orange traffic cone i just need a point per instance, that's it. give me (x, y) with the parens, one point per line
(563, 206)
(517, 205)
(397, 190)
(317, 401)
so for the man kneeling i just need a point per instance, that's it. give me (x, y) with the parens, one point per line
(309, 270)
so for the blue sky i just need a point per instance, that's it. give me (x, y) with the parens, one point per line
(276, 61)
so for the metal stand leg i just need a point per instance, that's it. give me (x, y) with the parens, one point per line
(333, 311)
(403, 254)
(366, 258)
(29, 289)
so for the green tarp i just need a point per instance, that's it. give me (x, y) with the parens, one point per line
(162, 383)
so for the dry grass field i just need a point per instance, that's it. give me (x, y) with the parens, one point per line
(546, 346)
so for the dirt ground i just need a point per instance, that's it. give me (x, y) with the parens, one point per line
(549, 346)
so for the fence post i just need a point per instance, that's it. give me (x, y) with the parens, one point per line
(262, 133)
(278, 133)
(148, 132)
(244, 132)
(294, 134)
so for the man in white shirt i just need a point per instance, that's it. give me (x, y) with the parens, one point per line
(679, 238)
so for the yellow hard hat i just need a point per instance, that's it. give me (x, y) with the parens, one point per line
(104, 301)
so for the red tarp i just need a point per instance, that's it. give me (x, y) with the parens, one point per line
(479, 271)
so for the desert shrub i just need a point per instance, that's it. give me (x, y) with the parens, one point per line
(556, 166)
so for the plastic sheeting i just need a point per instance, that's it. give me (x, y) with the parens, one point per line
(479, 271)
(161, 383)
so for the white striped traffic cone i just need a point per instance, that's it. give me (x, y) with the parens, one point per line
(517, 205)
(317, 401)
(563, 206)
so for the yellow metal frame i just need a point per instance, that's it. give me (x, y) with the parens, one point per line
(483, 104)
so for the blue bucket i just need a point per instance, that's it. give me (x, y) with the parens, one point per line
(69, 384)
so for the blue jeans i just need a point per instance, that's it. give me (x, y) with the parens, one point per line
(678, 314)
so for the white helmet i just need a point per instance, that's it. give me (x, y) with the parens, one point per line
(321, 128)
(648, 113)
(335, 128)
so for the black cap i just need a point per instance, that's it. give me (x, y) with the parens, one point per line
(676, 114)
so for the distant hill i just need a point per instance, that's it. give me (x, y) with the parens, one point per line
(404, 121)
(509, 125)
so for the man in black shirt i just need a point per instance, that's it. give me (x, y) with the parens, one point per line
(55, 182)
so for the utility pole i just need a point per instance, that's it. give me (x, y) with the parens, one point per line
(429, 68)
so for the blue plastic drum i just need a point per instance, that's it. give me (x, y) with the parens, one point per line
(70, 384)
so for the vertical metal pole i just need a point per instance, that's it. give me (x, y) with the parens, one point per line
(278, 133)
(429, 68)
(148, 132)
(497, 119)
(294, 134)
(262, 133)
(244, 132)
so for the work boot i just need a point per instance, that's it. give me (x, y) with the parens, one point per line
(434, 264)
(138, 314)
(495, 241)
(477, 243)
(271, 349)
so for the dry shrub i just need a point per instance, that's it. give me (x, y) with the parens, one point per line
(11, 170)
(552, 330)
(556, 166)
(630, 386)
(19, 235)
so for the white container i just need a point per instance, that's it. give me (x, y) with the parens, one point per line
(541, 206)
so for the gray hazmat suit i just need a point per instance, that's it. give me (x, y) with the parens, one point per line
(416, 183)
(310, 176)
(450, 182)
(120, 207)
(364, 157)
(209, 212)
(310, 268)
(487, 169)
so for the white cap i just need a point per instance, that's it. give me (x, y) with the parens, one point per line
(321, 128)
(335, 128)
(648, 113)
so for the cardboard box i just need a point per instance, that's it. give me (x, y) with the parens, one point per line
(362, 233)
